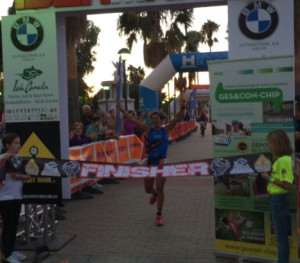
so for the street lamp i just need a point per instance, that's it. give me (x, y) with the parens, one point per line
(124, 54)
(106, 89)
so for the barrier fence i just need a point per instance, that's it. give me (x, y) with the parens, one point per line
(181, 129)
(126, 149)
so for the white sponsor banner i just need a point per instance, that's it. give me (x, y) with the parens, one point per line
(30, 68)
(249, 98)
(260, 28)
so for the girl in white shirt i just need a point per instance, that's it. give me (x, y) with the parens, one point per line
(10, 198)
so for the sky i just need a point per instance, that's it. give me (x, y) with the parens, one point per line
(109, 42)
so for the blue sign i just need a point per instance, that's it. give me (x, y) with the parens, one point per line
(148, 99)
(191, 62)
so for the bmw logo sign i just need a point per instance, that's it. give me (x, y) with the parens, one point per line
(27, 33)
(258, 20)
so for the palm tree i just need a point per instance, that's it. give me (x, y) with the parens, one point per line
(149, 26)
(157, 44)
(189, 41)
(207, 30)
(75, 32)
(146, 25)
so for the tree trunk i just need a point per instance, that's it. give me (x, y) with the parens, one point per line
(73, 97)
(297, 47)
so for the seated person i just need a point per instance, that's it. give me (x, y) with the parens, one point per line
(77, 137)
(94, 128)
(108, 127)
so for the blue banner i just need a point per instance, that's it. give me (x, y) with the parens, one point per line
(191, 62)
(148, 99)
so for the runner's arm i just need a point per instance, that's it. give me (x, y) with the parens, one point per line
(173, 122)
(128, 116)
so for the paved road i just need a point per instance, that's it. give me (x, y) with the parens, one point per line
(119, 226)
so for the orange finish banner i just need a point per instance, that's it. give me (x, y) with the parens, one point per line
(100, 153)
(123, 151)
(74, 153)
(135, 148)
(87, 153)
(111, 152)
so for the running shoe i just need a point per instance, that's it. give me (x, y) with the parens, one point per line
(159, 221)
(152, 200)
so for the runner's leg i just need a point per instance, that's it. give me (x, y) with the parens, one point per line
(148, 184)
(160, 182)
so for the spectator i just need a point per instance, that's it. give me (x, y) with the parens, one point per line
(164, 116)
(140, 116)
(94, 128)
(77, 137)
(101, 126)
(148, 119)
(10, 198)
(112, 124)
(86, 117)
(297, 129)
(107, 126)
(186, 116)
(129, 127)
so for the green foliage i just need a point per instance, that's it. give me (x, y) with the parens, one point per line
(11, 10)
(158, 42)
(207, 31)
(162, 96)
(97, 97)
(86, 56)
(150, 27)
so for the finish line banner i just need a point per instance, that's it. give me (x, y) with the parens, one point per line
(246, 164)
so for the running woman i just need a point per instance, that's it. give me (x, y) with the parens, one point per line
(157, 146)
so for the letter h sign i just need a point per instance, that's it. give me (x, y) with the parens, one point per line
(188, 62)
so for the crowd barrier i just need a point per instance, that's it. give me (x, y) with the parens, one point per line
(181, 129)
(126, 149)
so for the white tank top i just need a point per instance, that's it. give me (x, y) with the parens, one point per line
(10, 189)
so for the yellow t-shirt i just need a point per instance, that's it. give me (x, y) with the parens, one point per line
(282, 170)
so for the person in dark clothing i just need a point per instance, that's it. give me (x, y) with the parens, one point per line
(86, 118)
(297, 130)
(10, 197)
(77, 137)
(203, 121)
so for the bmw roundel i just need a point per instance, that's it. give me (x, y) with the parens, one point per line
(258, 20)
(27, 33)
